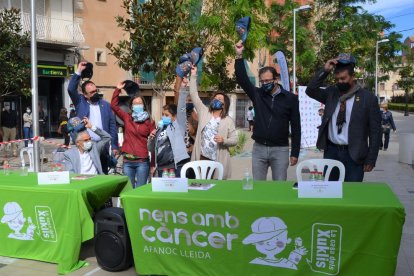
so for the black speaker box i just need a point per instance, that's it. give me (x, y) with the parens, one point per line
(112, 243)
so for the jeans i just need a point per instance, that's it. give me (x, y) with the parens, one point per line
(353, 172)
(275, 157)
(137, 172)
(386, 139)
(28, 133)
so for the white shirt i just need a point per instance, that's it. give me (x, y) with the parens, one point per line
(95, 119)
(87, 166)
(341, 138)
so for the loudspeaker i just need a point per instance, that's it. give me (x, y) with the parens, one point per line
(112, 243)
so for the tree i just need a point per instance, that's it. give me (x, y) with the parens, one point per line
(158, 36)
(162, 30)
(217, 24)
(406, 81)
(14, 69)
(334, 27)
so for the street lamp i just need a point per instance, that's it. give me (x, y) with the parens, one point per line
(301, 8)
(376, 66)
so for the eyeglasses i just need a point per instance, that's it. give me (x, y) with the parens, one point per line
(266, 81)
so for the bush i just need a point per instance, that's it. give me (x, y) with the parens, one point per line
(400, 107)
(241, 141)
(401, 98)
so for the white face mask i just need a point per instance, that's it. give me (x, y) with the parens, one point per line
(87, 145)
(28, 111)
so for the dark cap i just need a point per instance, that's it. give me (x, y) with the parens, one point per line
(131, 87)
(87, 73)
(346, 58)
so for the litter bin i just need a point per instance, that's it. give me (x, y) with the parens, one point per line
(406, 150)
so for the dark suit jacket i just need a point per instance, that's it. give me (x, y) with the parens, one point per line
(364, 133)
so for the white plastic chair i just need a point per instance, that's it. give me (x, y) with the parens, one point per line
(319, 165)
(204, 169)
(29, 152)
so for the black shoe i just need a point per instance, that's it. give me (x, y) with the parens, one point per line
(380, 148)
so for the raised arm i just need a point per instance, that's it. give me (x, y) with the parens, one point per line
(181, 108)
(199, 105)
(241, 74)
(74, 82)
(314, 89)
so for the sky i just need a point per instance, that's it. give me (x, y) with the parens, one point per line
(399, 12)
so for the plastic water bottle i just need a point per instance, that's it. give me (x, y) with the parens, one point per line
(320, 177)
(313, 176)
(247, 180)
(165, 173)
(171, 174)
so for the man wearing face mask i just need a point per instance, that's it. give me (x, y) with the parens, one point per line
(275, 109)
(85, 157)
(89, 104)
(351, 125)
(27, 126)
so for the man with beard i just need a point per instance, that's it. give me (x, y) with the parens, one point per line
(89, 104)
(351, 125)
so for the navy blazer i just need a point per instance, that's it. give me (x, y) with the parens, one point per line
(82, 110)
(364, 132)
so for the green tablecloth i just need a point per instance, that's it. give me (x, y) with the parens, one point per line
(49, 223)
(267, 231)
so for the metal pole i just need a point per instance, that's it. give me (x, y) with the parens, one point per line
(376, 72)
(35, 112)
(294, 50)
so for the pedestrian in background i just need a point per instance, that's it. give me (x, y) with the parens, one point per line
(387, 123)
(250, 117)
(63, 126)
(27, 126)
(9, 126)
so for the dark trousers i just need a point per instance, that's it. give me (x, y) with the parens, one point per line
(353, 172)
(386, 135)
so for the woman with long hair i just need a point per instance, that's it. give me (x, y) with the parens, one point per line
(138, 128)
(216, 131)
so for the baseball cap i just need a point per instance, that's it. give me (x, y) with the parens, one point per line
(264, 229)
(346, 58)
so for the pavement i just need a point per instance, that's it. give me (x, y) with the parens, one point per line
(399, 177)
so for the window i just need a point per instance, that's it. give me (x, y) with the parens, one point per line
(412, 45)
(395, 86)
(100, 56)
(382, 86)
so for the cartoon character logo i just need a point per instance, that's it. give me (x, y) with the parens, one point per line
(13, 216)
(270, 236)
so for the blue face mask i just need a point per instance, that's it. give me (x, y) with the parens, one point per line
(216, 104)
(268, 87)
(138, 108)
(166, 120)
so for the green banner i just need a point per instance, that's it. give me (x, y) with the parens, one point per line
(267, 231)
(49, 223)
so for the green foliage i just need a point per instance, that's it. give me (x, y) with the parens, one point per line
(158, 36)
(241, 142)
(14, 72)
(330, 28)
(400, 107)
(162, 30)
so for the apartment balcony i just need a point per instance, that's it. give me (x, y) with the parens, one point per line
(53, 30)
